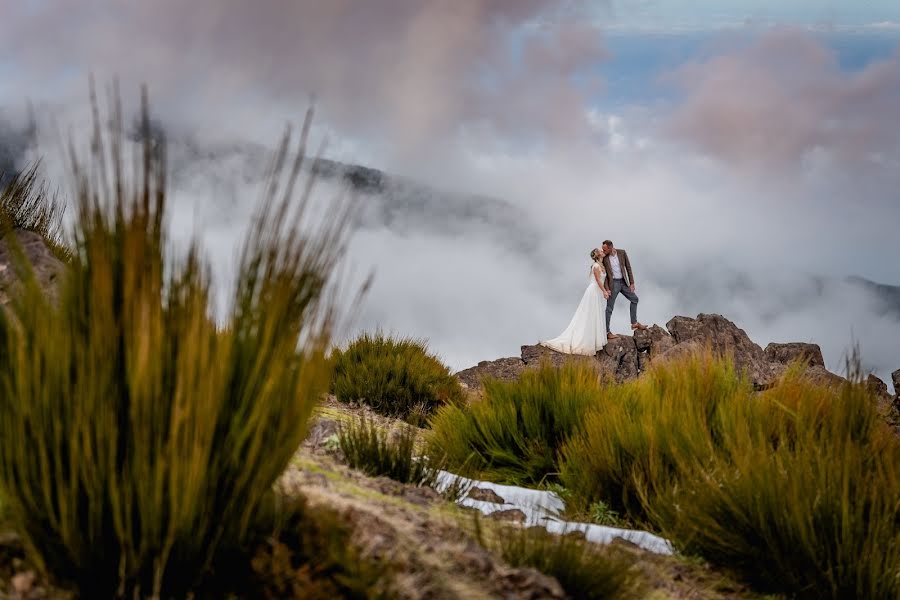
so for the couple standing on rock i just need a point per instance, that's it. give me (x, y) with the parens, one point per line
(588, 331)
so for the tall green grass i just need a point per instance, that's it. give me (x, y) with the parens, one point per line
(395, 377)
(137, 436)
(374, 451)
(515, 433)
(802, 496)
(797, 488)
(634, 432)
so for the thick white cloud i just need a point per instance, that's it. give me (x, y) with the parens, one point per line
(775, 168)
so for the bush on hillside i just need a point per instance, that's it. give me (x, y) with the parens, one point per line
(138, 438)
(395, 377)
(379, 453)
(802, 495)
(795, 488)
(634, 432)
(514, 434)
(376, 453)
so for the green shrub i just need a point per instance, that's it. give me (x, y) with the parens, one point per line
(513, 435)
(395, 377)
(583, 569)
(137, 437)
(797, 488)
(803, 496)
(632, 435)
(373, 451)
(379, 454)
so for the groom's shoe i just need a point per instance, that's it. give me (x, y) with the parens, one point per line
(635, 326)
(611, 336)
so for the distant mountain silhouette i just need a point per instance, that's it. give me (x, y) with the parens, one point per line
(888, 296)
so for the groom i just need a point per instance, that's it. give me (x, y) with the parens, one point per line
(619, 279)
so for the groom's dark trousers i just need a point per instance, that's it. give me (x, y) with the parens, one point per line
(620, 287)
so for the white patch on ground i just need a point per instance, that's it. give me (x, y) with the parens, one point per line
(545, 509)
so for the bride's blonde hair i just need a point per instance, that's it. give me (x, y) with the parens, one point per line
(596, 254)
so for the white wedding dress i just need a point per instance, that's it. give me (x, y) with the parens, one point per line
(586, 333)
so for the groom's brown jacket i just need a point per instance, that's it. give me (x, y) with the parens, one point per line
(624, 263)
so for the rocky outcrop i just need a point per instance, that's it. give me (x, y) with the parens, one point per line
(625, 358)
(47, 268)
(505, 369)
(809, 354)
(724, 338)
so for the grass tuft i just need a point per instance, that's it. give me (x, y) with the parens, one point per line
(26, 203)
(395, 377)
(513, 435)
(801, 497)
(138, 437)
(797, 489)
(377, 453)
(583, 569)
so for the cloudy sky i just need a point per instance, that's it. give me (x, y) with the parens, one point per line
(747, 154)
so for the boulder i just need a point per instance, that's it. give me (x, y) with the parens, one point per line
(809, 354)
(724, 338)
(820, 374)
(621, 358)
(679, 351)
(660, 341)
(895, 378)
(535, 356)
(485, 495)
(506, 369)
(877, 387)
(513, 515)
(46, 266)
(643, 339)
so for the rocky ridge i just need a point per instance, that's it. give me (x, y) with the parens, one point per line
(627, 357)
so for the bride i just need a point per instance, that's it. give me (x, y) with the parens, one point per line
(586, 333)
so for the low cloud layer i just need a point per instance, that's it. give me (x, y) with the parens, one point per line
(769, 179)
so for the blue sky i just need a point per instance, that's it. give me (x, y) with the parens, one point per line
(705, 14)
(639, 58)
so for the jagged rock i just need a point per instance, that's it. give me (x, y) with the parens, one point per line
(485, 495)
(660, 341)
(46, 266)
(895, 378)
(877, 387)
(643, 339)
(724, 338)
(811, 354)
(679, 351)
(507, 369)
(535, 356)
(820, 374)
(624, 355)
